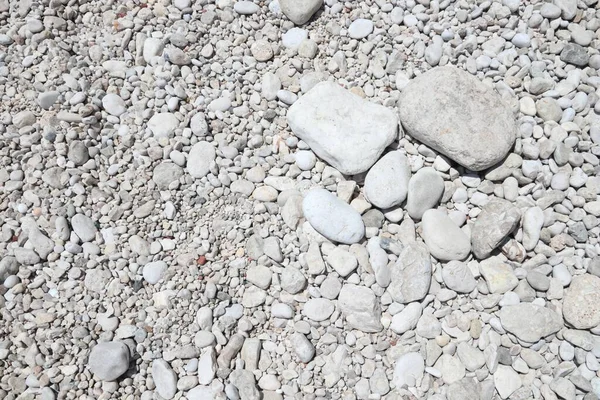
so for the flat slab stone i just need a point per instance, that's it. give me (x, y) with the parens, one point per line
(343, 129)
(529, 322)
(454, 113)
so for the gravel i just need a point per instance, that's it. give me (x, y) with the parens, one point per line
(299, 199)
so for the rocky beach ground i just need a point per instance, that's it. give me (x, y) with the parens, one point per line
(299, 199)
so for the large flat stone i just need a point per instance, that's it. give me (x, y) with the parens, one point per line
(343, 129)
(454, 113)
(530, 322)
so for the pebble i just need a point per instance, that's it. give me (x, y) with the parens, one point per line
(332, 217)
(154, 271)
(246, 8)
(360, 28)
(386, 183)
(425, 190)
(445, 240)
(109, 360)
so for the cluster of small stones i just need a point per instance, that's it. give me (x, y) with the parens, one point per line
(221, 199)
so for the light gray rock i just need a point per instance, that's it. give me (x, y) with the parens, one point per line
(202, 154)
(164, 378)
(330, 287)
(342, 261)
(568, 8)
(529, 322)
(343, 129)
(207, 366)
(293, 38)
(361, 308)
(245, 382)
(253, 297)
(533, 221)
(84, 227)
(499, 276)
(386, 183)
(425, 190)
(466, 388)
(282, 310)
(451, 368)
(495, 222)
(114, 104)
(154, 271)
(166, 173)
(406, 319)
(163, 125)
(457, 276)
(581, 304)
(153, 47)
(548, 109)
(318, 309)
(444, 239)
(109, 360)
(261, 50)
(471, 357)
(78, 152)
(507, 381)
(48, 99)
(472, 125)
(246, 7)
(292, 280)
(411, 274)
(409, 370)
(299, 12)
(360, 28)
(303, 348)
(332, 217)
(198, 125)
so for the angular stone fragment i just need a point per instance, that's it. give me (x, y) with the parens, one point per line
(361, 308)
(495, 222)
(411, 274)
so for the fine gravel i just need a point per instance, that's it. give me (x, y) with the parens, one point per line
(285, 199)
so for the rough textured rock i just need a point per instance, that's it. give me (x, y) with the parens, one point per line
(348, 132)
(411, 274)
(529, 322)
(495, 222)
(300, 11)
(109, 360)
(472, 124)
(360, 307)
(581, 305)
(498, 275)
